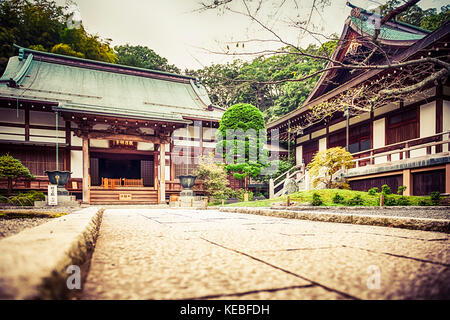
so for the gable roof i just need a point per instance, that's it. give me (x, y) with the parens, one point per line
(87, 86)
(360, 25)
(440, 37)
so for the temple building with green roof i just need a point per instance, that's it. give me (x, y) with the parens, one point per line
(398, 142)
(125, 133)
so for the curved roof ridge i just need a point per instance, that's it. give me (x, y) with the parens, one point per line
(102, 63)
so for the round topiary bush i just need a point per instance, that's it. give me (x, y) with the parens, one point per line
(242, 116)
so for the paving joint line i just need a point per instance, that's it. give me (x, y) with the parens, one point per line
(240, 294)
(398, 256)
(284, 270)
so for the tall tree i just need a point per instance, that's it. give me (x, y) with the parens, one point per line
(42, 25)
(143, 57)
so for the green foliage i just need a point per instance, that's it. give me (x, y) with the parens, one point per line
(240, 194)
(390, 201)
(143, 57)
(326, 162)
(65, 49)
(283, 164)
(327, 198)
(356, 201)
(425, 202)
(13, 169)
(240, 81)
(373, 191)
(403, 201)
(427, 19)
(26, 199)
(316, 199)
(41, 25)
(385, 189)
(338, 198)
(236, 151)
(435, 197)
(400, 190)
(214, 177)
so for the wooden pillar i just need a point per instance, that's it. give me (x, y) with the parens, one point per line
(85, 148)
(162, 166)
(407, 182)
(447, 178)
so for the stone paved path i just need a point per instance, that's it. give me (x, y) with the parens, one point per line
(187, 254)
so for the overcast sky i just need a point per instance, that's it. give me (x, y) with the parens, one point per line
(175, 31)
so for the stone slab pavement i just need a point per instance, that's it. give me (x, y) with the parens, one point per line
(207, 254)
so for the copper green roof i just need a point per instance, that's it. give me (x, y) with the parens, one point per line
(367, 27)
(80, 85)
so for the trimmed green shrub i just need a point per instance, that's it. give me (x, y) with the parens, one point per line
(373, 191)
(403, 201)
(240, 195)
(338, 198)
(317, 199)
(390, 201)
(425, 202)
(385, 189)
(400, 190)
(435, 197)
(356, 201)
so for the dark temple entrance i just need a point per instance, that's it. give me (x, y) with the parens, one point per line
(121, 166)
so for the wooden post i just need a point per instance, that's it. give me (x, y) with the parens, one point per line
(407, 182)
(447, 178)
(162, 168)
(271, 189)
(381, 200)
(85, 149)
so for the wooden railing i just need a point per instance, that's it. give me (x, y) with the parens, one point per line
(276, 190)
(403, 149)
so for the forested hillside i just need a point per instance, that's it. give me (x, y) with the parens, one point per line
(271, 83)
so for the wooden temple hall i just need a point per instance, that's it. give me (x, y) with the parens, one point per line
(404, 142)
(117, 128)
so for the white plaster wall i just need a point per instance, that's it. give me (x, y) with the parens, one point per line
(427, 127)
(12, 115)
(379, 133)
(186, 143)
(11, 133)
(303, 138)
(385, 109)
(47, 139)
(4, 129)
(318, 133)
(76, 141)
(48, 133)
(145, 146)
(299, 155)
(76, 163)
(209, 144)
(209, 133)
(337, 126)
(44, 135)
(322, 144)
(99, 143)
(360, 118)
(446, 121)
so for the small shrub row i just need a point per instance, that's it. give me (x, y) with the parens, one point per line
(25, 198)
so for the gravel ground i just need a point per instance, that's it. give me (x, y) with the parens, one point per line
(409, 213)
(9, 227)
